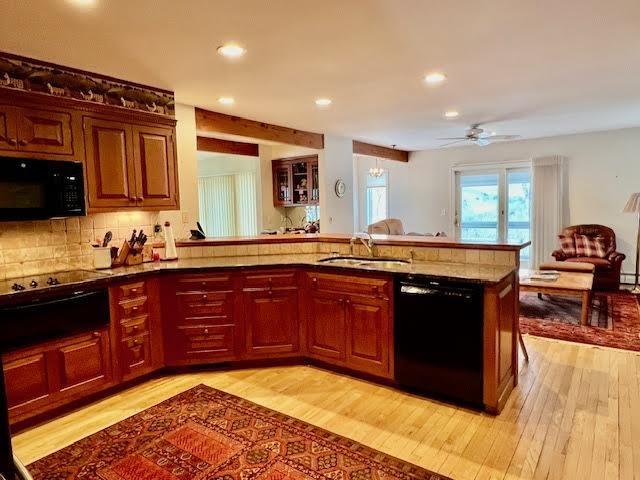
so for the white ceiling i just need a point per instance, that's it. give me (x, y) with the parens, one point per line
(535, 68)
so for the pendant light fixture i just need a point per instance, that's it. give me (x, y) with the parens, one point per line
(376, 171)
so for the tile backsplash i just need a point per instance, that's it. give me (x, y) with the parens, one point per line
(30, 248)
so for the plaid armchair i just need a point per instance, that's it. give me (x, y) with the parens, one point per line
(607, 269)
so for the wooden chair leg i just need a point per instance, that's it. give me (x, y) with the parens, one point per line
(523, 346)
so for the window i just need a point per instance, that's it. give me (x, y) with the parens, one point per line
(228, 204)
(494, 205)
(377, 202)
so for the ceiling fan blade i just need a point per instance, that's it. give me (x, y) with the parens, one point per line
(452, 143)
(504, 137)
(452, 138)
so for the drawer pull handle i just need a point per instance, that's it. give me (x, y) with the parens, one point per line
(206, 330)
(204, 284)
(135, 328)
(134, 290)
(12, 141)
(204, 297)
(23, 142)
(137, 342)
(135, 309)
(96, 334)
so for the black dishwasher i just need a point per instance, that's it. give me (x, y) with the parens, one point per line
(439, 338)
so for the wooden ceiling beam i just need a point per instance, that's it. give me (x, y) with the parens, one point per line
(208, 121)
(217, 145)
(363, 148)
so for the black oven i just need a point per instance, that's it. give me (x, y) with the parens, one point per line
(32, 189)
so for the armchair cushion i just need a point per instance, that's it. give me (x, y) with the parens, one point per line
(600, 263)
(590, 246)
(567, 245)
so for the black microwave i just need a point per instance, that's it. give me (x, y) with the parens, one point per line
(32, 189)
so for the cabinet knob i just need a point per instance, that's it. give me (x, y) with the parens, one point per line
(348, 301)
(204, 297)
(134, 290)
(135, 328)
(12, 141)
(134, 309)
(96, 334)
(206, 330)
(341, 300)
(137, 342)
(23, 142)
(204, 284)
(140, 199)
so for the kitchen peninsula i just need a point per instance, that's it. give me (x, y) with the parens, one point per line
(252, 301)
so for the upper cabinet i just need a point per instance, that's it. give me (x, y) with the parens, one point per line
(295, 181)
(130, 157)
(49, 132)
(130, 166)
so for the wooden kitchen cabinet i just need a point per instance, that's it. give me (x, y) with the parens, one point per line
(326, 326)
(295, 181)
(130, 165)
(136, 328)
(155, 164)
(200, 318)
(33, 131)
(349, 322)
(110, 168)
(83, 363)
(57, 372)
(271, 322)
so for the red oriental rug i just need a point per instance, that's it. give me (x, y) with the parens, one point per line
(614, 322)
(206, 434)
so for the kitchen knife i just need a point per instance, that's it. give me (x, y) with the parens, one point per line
(107, 238)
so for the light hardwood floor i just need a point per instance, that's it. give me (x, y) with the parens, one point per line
(575, 415)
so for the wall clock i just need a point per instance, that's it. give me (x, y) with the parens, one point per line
(340, 188)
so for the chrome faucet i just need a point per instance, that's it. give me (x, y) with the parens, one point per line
(369, 244)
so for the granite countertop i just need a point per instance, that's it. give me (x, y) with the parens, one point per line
(399, 240)
(486, 274)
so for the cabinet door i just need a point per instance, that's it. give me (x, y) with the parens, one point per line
(44, 131)
(27, 381)
(8, 134)
(110, 165)
(282, 188)
(155, 163)
(368, 335)
(326, 326)
(84, 363)
(271, 318)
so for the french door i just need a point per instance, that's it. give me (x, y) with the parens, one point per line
(494, 205)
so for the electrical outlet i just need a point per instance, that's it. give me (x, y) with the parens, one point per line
(185, 217)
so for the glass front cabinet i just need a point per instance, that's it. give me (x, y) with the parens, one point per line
(295, 181)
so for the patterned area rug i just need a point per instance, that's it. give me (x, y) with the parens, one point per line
(614, 322)
(206, 434)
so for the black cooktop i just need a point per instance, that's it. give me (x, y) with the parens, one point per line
(37, 282)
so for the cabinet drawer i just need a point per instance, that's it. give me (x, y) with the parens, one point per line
(135, 326)
(204, 282)
(349, 284)
(136, 355)
(133, 308)
(269, 279)
(205, 304)
(210, 340)
(131, 290)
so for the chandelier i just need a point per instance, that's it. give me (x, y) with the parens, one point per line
(376, 171)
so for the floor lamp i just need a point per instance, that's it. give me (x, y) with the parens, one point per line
(633, 206)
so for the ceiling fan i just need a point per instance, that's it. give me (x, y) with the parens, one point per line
(478, 136)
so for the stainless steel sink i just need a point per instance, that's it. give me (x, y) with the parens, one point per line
(365, 261)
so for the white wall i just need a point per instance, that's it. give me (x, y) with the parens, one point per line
(603, 169)
(336, 161)
(187, 173)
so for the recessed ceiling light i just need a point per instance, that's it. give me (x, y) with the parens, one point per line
(83, 3)
(226, 100)
(435, 78)
(231, 50)
(323, 102)
(451, 113)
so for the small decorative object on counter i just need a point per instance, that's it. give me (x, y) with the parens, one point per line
(102, 257)
(171, 252)
(198, 234)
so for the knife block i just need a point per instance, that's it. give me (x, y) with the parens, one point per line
(133, 258)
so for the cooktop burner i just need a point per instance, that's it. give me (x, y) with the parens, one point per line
(48, 280)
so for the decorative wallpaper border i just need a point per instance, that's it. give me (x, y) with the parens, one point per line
(29, 75)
